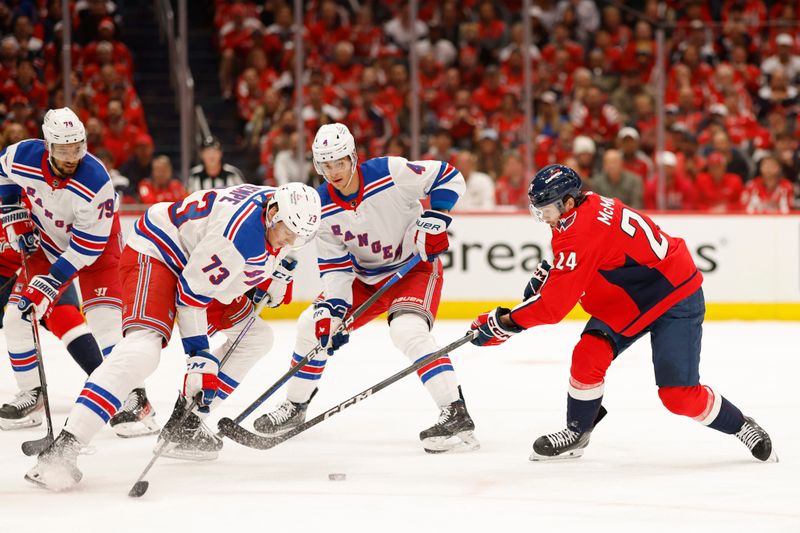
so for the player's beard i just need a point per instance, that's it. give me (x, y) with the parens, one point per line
(61, 172)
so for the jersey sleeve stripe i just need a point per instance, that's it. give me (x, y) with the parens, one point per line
(64, 266)
(187, 297)
(344, 265)
(89, 236)
(84, 251)
(169, 250)
(443, 199)
(322, 261)
(26, 174)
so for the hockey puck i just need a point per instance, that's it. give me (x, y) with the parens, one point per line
(337, 477)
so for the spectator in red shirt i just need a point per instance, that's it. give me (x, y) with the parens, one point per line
(508, 121)
(26, 84)
(596, 118)
(119, 136)
(633, 159)
(343, 74)
(770, 192)
(511, 187)
(161, 186)
(238, 37)
(678, 190)
(365, 35)
(717, 191)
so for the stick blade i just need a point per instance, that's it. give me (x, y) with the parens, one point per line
(138, 489)
(237, 433)
(35, 447)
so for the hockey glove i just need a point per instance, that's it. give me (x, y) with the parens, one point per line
(201, 378)
(328, 317)
(277, 290)
(40, 293)
(537, 280)
(431, 234)
(491, 332)
(19, 228)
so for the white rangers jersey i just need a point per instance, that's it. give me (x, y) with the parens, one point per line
(214, 241)
(371, 234)
(75, 216)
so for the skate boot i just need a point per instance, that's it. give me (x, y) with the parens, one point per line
(57, 467)
(565, 444)
(757, 441)
(283, 418)
(454, 431)
(136, 418)
(24, 411)
(190, 438)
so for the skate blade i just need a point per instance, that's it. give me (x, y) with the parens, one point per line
(130, 430)
(773, 457)
(13, 424)
(190, 455)
(464, 441)
(572, 454)
(61, 480)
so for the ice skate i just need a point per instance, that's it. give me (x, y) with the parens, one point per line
(757, 441)
(454, 431)
(26, 410)
(564, 444)
(57, 467)
(192, 439)
(136, 418)
(283, 418)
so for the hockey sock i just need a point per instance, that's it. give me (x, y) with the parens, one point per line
(730, 418)
(67, 324)
(411, 334)
(701, 403)
(583, 404)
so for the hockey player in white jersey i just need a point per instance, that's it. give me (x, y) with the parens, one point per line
(70, 230)
(181, 257)
(372, 224)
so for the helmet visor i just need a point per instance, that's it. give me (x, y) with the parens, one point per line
(544, 212)
(69, 153)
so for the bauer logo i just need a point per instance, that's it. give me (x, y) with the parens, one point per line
(344, 405)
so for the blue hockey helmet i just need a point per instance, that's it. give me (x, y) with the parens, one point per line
(552, 183)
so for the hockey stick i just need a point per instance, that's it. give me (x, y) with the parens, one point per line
(35, 447)
(140, 486)
(235, 432)
(346, 323)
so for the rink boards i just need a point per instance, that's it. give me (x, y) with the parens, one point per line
(751, 264)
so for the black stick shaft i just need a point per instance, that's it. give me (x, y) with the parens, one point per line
(229, 428)
(317, 349)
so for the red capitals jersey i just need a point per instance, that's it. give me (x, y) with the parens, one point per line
(617, 263)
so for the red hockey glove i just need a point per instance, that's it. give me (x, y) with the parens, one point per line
(201, 378)
(491, 332)
(431, 234)
(537, 280)
(39, 295)
(17, 224)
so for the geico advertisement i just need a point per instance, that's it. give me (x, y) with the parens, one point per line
(743, 258)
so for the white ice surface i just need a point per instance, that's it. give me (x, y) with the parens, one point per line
(645, 470)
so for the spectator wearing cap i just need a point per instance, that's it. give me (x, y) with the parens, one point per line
(769, 192)
(161, 186)
(20, 111)
(511, 188)
(548, 117)
(784, 58)
(633, 159)
(717, 190)
(679, 191)
(140, 165)
(596, 118)
(584, 150)
(616, 182)
(479, 195)
(212, 173)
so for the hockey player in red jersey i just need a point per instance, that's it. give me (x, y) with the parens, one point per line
(633, 279)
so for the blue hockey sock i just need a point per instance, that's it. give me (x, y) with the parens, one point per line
(85, 352)
(581, 414)
(729, 420)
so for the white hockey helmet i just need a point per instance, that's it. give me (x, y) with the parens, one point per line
(299, 208)
(62, 126)
(333, 142)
